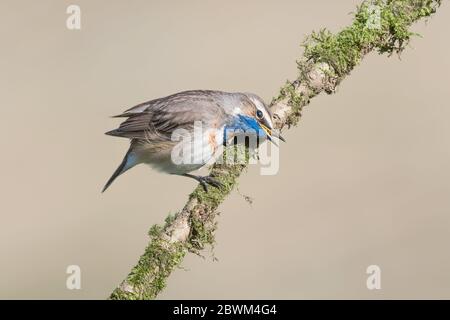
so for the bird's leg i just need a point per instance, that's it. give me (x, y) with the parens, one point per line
(205, 180)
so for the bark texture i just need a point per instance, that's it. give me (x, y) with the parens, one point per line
(378, 25)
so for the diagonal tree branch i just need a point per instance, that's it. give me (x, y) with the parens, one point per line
(378, 25)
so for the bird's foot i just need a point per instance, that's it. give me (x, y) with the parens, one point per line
(205, 181)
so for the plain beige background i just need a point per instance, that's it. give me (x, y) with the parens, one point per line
(364, 178)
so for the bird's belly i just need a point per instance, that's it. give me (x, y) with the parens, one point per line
(168, 166)
(185, 155)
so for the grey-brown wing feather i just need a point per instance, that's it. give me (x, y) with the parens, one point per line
(157, 119)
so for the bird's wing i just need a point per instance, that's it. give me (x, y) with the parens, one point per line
(157, 119)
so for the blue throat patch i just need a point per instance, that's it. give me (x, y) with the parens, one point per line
(241, 123)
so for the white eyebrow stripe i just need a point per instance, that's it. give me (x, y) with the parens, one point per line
(261, 107)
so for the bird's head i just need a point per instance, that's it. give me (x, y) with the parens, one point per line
(254, 115)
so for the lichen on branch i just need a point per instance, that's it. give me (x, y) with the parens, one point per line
(378, 25)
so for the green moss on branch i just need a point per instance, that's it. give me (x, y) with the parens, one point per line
(327, 59)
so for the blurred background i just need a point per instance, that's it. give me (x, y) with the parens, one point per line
(364, 179)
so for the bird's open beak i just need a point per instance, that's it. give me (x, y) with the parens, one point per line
(270, 134)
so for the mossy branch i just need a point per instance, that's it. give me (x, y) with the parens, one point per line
(378, 25)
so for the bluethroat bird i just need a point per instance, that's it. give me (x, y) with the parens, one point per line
(152, 126)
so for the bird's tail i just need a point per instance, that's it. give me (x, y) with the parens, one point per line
(128, 162)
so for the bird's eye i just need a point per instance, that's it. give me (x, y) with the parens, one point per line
(259, 114)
